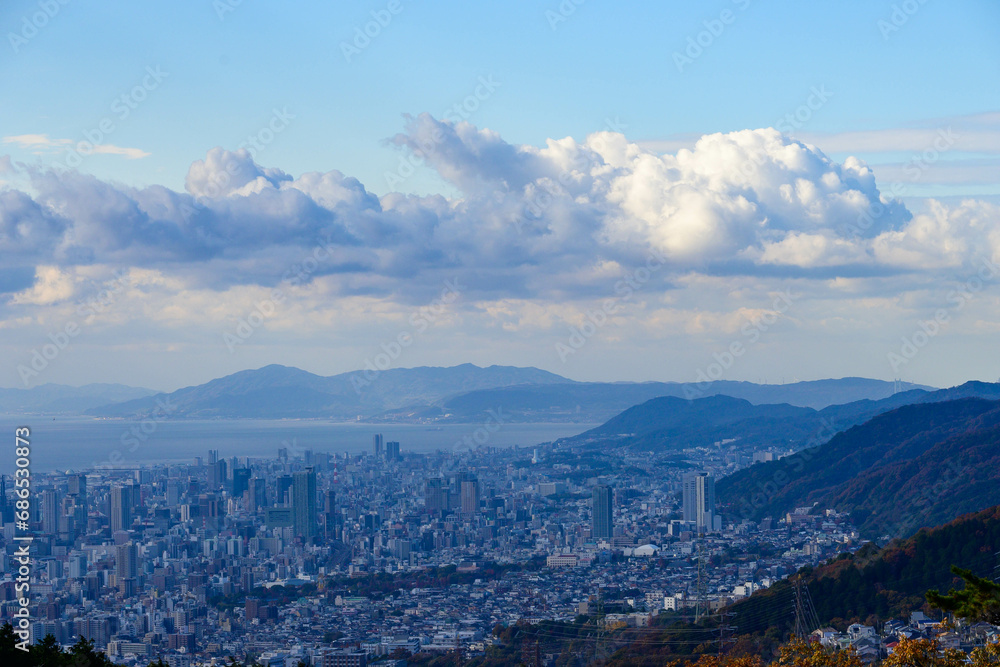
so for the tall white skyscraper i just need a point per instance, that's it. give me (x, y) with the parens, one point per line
(699, 500)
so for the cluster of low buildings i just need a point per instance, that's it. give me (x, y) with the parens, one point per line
(871, 643)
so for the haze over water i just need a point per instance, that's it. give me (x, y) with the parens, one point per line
(78, 444)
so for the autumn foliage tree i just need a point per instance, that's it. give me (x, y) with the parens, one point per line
(801, 653)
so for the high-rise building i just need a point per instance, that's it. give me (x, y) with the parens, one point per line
(71, 517)
(699, 500)
(241, 481)
(470, 495)
(50, 511)
(219, 474)
(252, 608)
(78, 485)
(258, 492)
(603, 513)
(304, 503)
(174, 492)
(78, 496)
(283, 486)
(435, 495)
(392, 451)
(135, 493)
(126, 561)
(78, 565)
(6, 511)
(377, 445)
(330, 513)
(121, 507)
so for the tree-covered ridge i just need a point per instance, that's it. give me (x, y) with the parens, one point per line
(919, 465)
(885, 583)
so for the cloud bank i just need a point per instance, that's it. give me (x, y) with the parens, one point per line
(528, 221)
(535, 236)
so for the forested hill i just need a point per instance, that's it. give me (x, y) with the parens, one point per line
(919, 465)
(883, 584)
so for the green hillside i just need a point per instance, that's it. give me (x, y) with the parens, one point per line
(919, 465)
(882, 584)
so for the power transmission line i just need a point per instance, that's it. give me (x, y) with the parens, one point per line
(806, 619)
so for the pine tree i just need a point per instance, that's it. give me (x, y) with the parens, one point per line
(978, 601)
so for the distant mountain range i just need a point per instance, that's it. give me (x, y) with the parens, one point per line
(275, 392)
(602, 400)
(917, 465)
(59, 399)
(885, 583)
(669, 422)
(459, 394)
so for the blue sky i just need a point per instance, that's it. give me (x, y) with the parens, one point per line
(892, 76)
(604, 61)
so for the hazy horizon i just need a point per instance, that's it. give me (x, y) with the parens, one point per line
(761, 381)
(716, 182)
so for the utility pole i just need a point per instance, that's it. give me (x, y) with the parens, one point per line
(459, 659)
(531, 654)
(724, 629)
